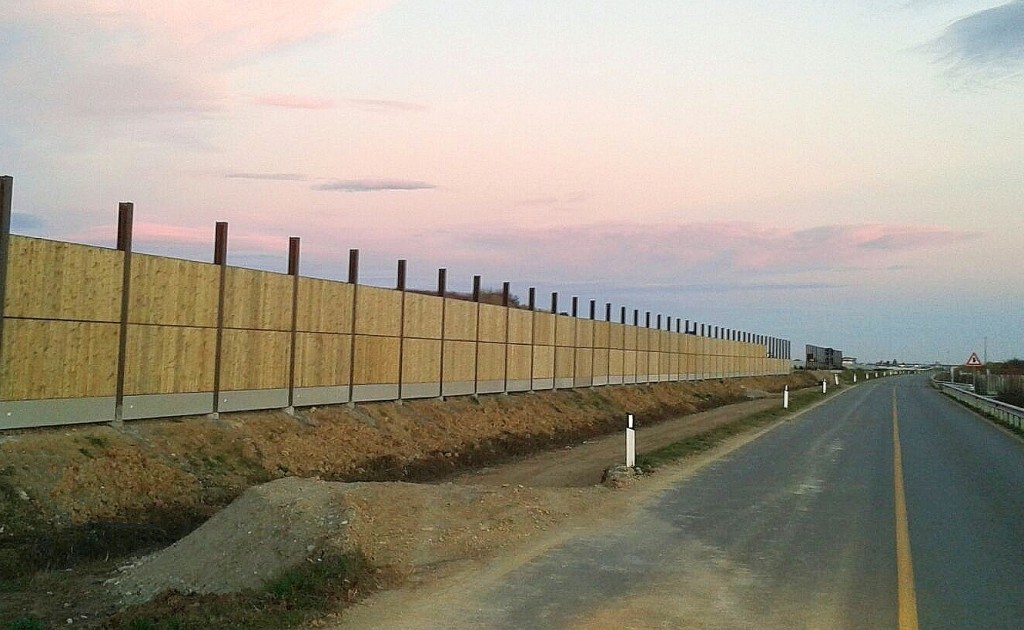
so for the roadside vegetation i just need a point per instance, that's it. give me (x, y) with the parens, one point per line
(653, 460)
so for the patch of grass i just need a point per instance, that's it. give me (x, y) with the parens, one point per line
(28, 623)
(290, 599)
(708, 440)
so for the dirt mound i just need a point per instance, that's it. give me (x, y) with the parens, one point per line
(276, 526)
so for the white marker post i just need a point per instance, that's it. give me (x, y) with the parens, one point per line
(824, 385)
(837, 379)
(785, 398)
(854, 377)
(630, 442)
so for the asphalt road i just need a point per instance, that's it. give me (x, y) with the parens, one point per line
(886, 507)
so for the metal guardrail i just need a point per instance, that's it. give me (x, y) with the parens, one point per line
(1005, 413)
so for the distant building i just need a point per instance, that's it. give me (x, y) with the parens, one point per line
(849, 361)
(819, 358)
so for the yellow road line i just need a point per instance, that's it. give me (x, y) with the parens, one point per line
(904, 562)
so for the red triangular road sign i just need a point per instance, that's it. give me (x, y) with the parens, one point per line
(974, 361)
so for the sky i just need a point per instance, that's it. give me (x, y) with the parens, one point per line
(846, 174)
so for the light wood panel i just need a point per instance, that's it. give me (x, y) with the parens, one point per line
(491, 362)
(169, 360)
(56, 280)
(324, 306)
(322, 359)
(376, 360)
(421, 361)
(460, 320)
(492, 323)
(459, 361)
(520, 326)
(378, 312)
(423, 317)
(254, 359)
(174, 292)
(58, 359)
(257, 299)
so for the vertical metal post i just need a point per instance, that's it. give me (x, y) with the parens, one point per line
(353, 279)
(532, 302)
(400, 282)
(554, 347)
(442, 291)
(293, 271)
(220, 258)
(593, 337)
(125, 211)
(400, 286)
(575, 306)
(506, 292)
(622, 315)
(608, 312)
(476, 344)
(6, 199)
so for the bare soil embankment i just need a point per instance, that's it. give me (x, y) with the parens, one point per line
(70, 495)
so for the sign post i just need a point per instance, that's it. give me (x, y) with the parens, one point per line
(630, 442)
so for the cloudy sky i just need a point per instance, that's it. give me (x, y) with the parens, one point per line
(838, 173)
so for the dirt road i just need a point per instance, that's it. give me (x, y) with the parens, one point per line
(583, 465)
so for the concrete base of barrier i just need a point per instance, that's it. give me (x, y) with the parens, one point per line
(309, 396)
(420, 390)
(253, 399)
(167, 405)
(490, 387)
(369, 393)
(22, 414)
(519, 386)
(463, 388)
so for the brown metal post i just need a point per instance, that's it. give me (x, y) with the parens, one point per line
(554, 359)
(506, 292)
(400, 285)
(293, 271)
(125, 211)
(220, 258)
(442, 290)
(353, 279)
(6, 198)
(533, 331)
(476, 345)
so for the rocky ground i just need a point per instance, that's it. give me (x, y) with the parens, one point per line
(76, 502)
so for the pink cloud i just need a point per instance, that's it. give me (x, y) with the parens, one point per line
(122, 58)
(295, 102)
(687, 250)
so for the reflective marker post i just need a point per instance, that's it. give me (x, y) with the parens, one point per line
(630, 442)
(824, 385)
(785, 398)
